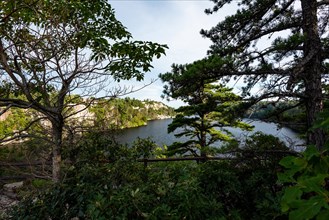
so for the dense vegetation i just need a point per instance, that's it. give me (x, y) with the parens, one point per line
(285, 113)
(104, 114)
(14, 121)
(127, 112)
(94, 177)
(50, 49)
(105, 181)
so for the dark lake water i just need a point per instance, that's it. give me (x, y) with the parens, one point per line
(157, 130)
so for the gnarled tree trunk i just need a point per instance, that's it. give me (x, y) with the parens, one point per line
(311, 74)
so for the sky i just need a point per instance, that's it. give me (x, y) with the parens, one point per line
(176, 23)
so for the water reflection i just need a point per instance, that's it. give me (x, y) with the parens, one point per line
(157, 130)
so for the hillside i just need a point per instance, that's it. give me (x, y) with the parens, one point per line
(103, 114)
(125, 113)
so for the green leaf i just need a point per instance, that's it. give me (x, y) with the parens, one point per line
(310, 152)
(287, 161)
(323, 215)
(290, 194)
(313, 184)
(307, 209)
(286, 177)
(294, 163)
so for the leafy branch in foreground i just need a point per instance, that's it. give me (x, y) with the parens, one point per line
(306, 195)
(51, 49)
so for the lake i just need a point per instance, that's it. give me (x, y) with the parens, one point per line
(157, 130)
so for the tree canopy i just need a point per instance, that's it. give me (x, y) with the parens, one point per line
(49, 49)
(210, 109)
(282, 45)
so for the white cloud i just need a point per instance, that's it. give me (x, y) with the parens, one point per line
(175, 23)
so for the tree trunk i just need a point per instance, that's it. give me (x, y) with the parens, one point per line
(203, 153)
(203, 138)
(57, 132)
(312, 71)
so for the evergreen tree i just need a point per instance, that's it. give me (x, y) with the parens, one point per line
(211, 107)
(292, 66)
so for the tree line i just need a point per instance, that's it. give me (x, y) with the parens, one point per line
(105, 114)
(278, 48)
(127, 112)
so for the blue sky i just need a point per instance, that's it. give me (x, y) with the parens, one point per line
(175, 23)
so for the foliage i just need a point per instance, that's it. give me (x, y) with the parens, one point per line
(127, 112)
(123, 188)
(26, 152)
(49, 49)
(93, 147)
(279, 46)
(16, 120)
(306, 195)
(147, 148)
(260, 150)
(244, 192)
(211, 108)
(286, 113)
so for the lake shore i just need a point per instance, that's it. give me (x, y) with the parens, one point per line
(157, 130)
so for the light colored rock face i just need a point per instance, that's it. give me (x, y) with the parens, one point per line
(155, 105)
(8, 197)
(4, 115)
(13, 186)
(6, 202)
(82, 113)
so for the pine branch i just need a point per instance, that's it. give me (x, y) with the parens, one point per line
(323, 2)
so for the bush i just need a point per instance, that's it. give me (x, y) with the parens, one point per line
(123, 188)
(306, 194)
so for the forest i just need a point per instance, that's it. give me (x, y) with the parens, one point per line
(105, 114)
(60, 62)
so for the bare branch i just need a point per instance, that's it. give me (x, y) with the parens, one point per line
(21, 134)
(5, 109)
(323, 2)
(15, 103)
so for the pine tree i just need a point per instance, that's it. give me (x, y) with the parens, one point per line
(211, 107)
(283, 44)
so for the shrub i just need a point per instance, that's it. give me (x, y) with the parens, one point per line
(107, 182)
(306, 194)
